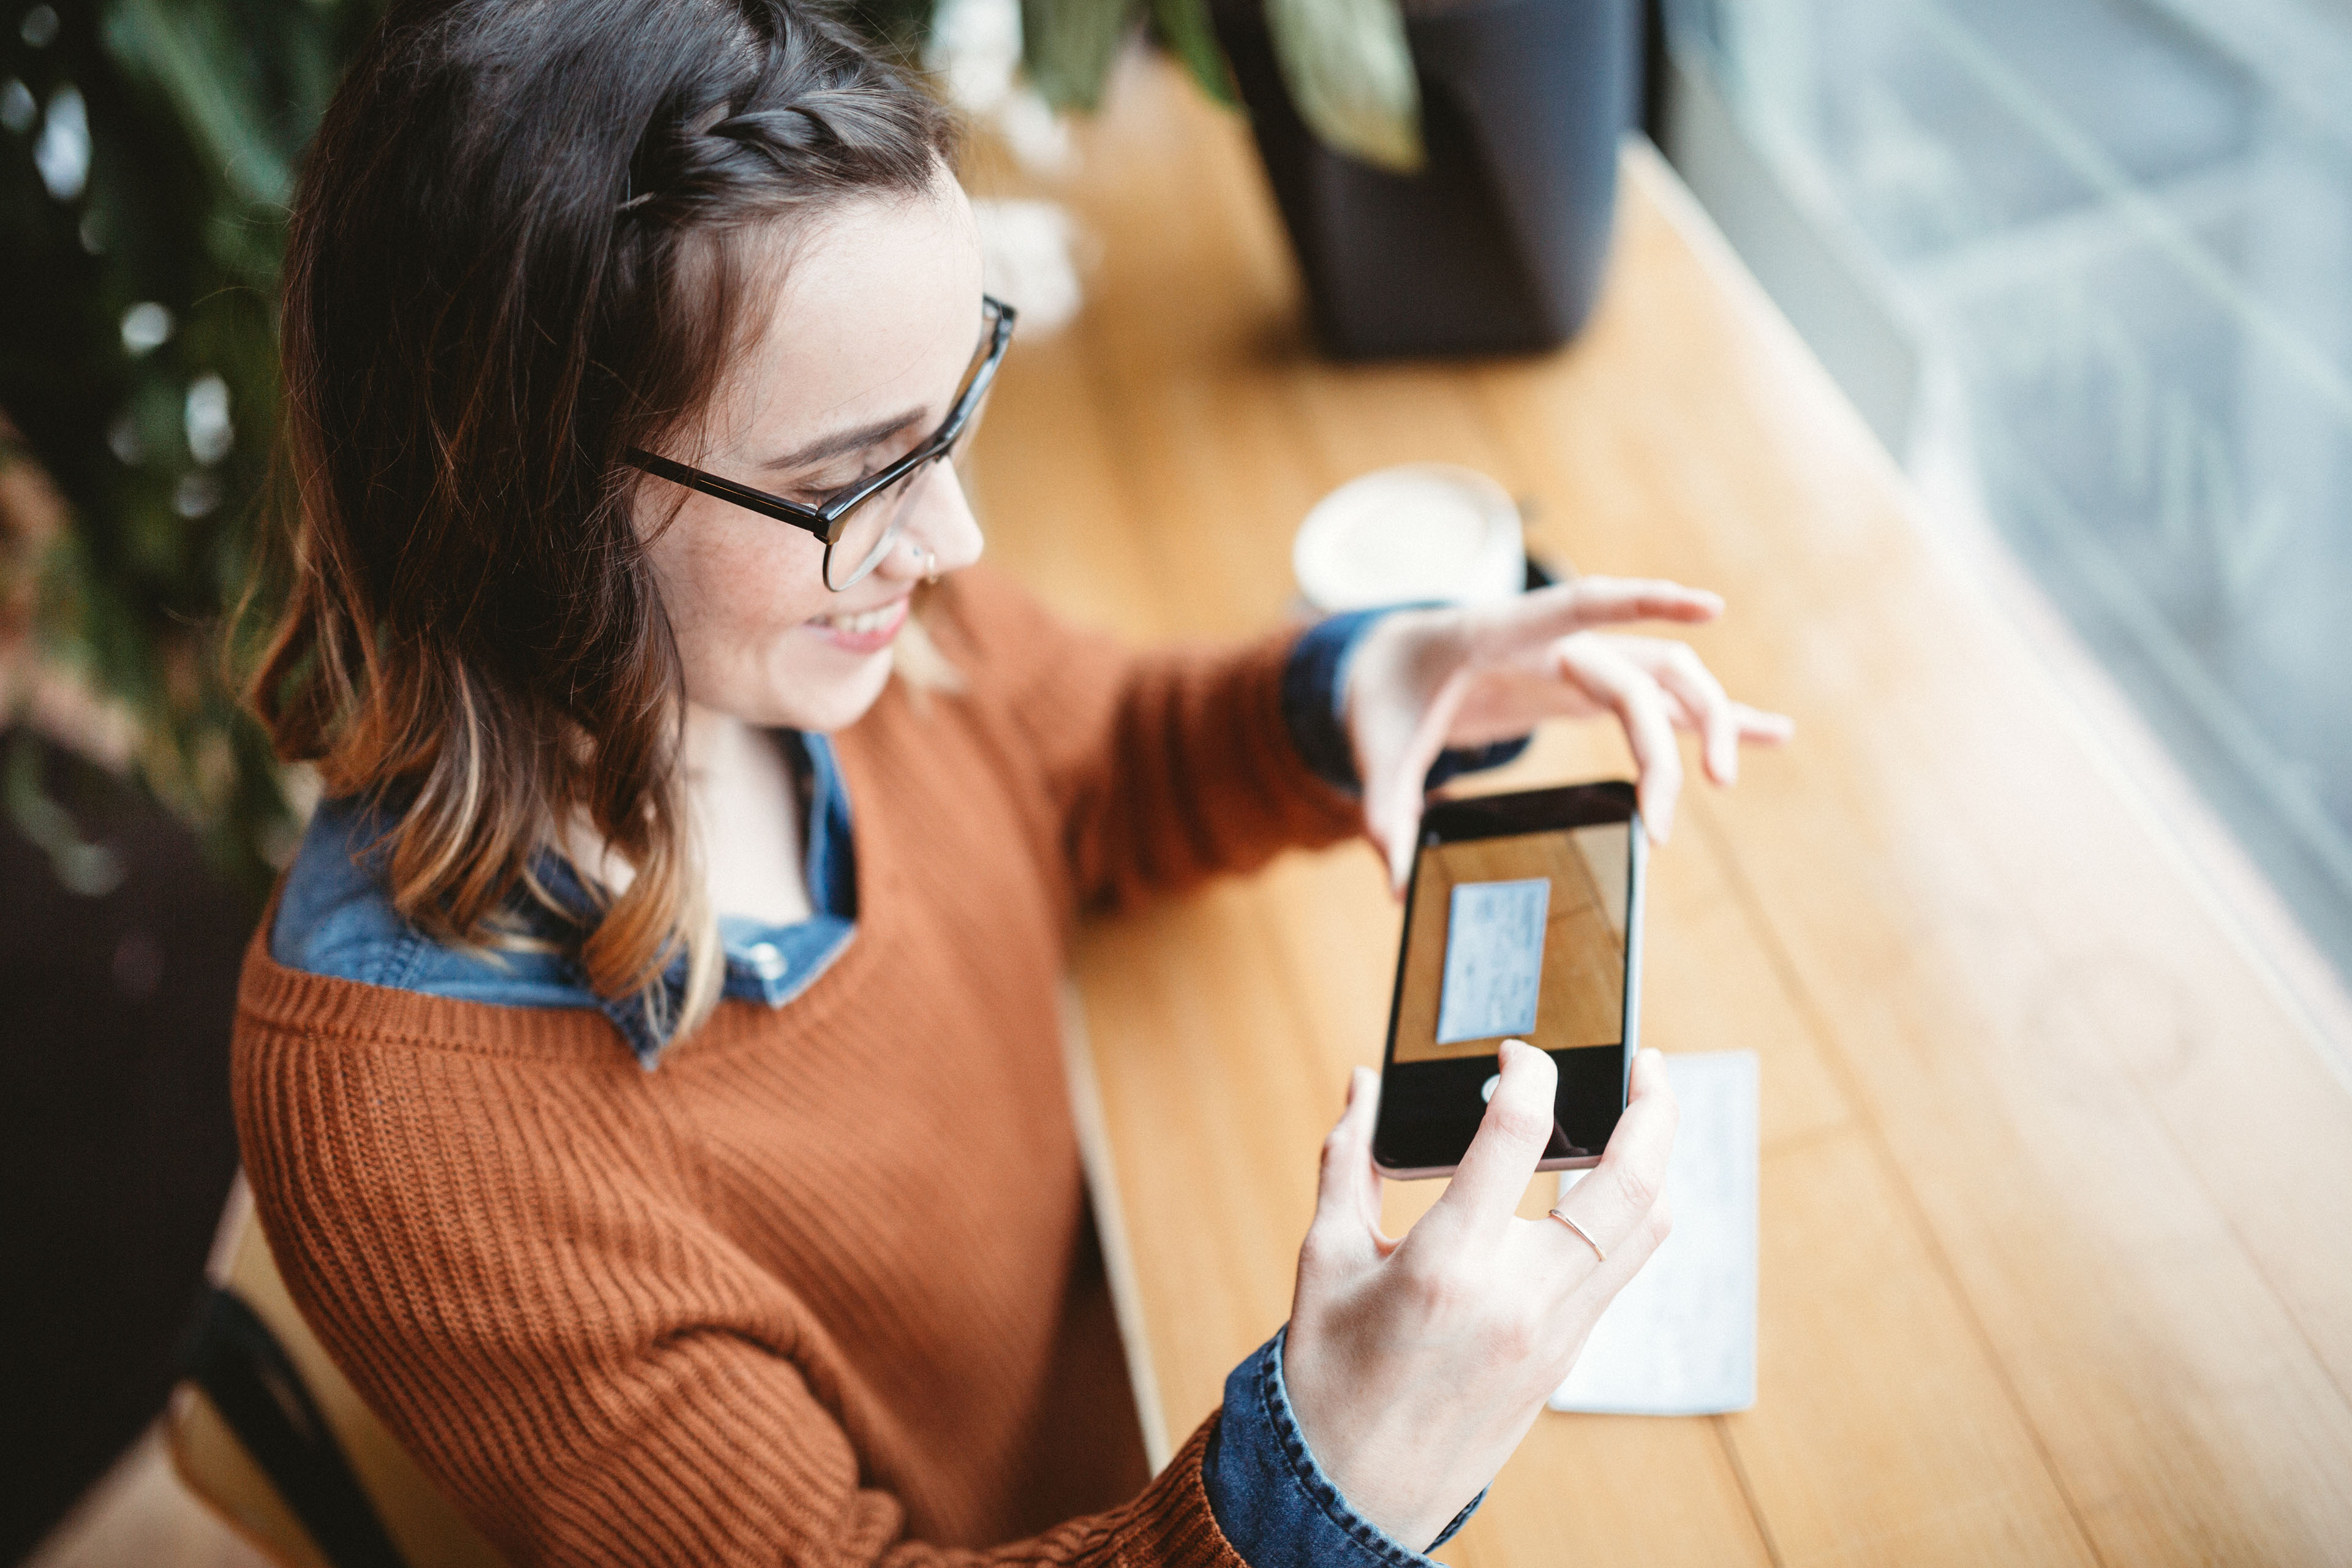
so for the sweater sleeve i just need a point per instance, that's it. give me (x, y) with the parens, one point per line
(591, 1370)
(1159, 768)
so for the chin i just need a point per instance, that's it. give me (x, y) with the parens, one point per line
(836, 700)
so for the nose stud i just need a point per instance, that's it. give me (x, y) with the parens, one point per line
(929, 560)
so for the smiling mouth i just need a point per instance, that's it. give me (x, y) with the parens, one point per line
(863, 632)
(862, 623)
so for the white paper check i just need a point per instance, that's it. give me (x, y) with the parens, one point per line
(1493, 959)
(1680, 1339)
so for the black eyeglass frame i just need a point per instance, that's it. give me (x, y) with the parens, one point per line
(829, 518)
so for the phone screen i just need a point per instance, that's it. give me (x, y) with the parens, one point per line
(1513, 931)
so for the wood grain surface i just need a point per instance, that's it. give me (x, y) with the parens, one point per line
(2057, 1189)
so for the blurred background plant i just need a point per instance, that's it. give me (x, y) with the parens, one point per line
(144, 214)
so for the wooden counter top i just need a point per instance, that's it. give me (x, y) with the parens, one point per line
(2057, 1191)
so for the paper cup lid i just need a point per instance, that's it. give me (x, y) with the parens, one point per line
(1422, 531)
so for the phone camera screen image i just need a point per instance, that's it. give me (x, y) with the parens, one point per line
(1513, 934)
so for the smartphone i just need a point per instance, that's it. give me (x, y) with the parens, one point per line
(1523, 919)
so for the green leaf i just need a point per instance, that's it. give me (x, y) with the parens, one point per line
(1350, 74)
(195, 55)
(1184, 27)
(1068, 46)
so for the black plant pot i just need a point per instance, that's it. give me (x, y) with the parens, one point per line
(1498, 244)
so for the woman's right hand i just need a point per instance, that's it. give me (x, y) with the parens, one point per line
(1415, 1367)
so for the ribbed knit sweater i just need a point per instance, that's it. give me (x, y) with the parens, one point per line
(810, 1291)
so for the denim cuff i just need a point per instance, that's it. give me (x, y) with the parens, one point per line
(1273, 1501)
(1315, 701)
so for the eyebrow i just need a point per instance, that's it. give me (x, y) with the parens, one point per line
(842, 442)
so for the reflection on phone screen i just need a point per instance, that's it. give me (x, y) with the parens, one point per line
(1523, 936)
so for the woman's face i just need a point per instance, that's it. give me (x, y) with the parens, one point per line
(864, 346)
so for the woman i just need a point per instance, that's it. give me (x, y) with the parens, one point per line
(647, 1074)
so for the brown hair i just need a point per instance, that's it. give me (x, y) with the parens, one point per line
(517, 250)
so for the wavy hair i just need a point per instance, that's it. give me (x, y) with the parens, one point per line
(520, 245)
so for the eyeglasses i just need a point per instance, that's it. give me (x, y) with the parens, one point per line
(860, 525)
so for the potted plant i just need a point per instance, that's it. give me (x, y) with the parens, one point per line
(1484, 226)
(1447, 169)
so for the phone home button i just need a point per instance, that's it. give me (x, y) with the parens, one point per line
(1486, 1090)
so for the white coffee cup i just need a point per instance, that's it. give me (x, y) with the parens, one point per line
(1416, 533)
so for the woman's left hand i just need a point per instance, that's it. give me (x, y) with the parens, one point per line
(1470, 675)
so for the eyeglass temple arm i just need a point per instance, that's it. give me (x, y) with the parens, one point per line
(711, 485)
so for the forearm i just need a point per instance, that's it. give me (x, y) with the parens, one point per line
(1152, 771)
(1199, 774)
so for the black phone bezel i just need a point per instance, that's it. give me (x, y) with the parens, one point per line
(1454, 821)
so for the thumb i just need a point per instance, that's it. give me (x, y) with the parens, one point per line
(1347, 1193)
(1392, 819)
(1393, 772)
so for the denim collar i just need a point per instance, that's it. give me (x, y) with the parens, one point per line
(765, 963)
(335, 917)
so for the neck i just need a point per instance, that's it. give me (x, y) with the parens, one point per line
(746, 811)
(746, 814)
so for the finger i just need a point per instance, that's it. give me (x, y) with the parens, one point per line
(1392, 810)
(1549, 614)
(1477, 1204)
(1346, 1194)
(1393, 837)
(1590, 1284)
(1759, 727)
(1640, 707)
(1394, 764)
(1711, 709)
(1614, 1201)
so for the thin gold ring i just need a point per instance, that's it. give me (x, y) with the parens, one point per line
(1599, 1256)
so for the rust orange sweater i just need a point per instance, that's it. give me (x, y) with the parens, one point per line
(812, 1291)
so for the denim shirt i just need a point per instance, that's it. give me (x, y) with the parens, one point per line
(334, 918)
